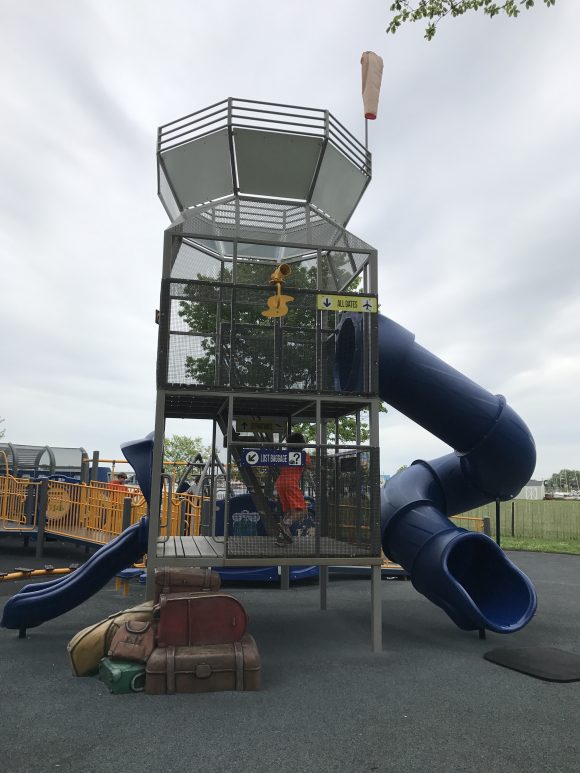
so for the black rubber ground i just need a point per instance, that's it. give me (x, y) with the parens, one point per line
(429, 702)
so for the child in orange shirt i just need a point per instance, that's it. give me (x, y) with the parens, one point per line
(294, 507)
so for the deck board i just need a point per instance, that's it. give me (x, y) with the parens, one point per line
(261, 551)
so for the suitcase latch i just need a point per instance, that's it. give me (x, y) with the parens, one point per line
(203, 671)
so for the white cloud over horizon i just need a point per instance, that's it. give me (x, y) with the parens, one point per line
(474, 204)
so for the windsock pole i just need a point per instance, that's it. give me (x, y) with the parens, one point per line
(372, 75)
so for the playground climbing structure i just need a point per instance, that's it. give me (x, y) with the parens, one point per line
(282, 183)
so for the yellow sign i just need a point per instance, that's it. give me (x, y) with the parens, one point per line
(260, 424)
(346, 303)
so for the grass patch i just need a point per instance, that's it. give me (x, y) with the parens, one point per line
(541, 545)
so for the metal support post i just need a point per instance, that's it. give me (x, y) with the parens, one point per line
(284, 578)
(127, 511)
(182, 509)
(376, 609)
(155, 507)
(323, 581)
(41, 523)
(95, 466)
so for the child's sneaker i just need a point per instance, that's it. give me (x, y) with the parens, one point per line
(284, 537)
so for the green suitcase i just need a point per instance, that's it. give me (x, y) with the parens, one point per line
(121, 676)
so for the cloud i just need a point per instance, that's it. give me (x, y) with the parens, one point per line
(473, 205)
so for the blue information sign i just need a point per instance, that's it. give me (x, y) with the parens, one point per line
(272, 457)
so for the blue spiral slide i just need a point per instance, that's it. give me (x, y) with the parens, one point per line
(464, 573)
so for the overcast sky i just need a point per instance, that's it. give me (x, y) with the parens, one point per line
(474, 204)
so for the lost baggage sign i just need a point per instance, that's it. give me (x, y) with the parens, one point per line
(328, 302)
(272, 457)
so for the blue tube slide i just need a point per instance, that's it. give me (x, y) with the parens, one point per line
(465, 573)
(38, 602)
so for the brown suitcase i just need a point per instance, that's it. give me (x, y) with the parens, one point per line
(200, 618)
(185, 580)
(211, 668)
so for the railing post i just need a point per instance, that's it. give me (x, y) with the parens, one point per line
(30, 504)
(95, 466)
(486, 525)
(41, 524)
(182, 510)
(127, 512)
(84, 476)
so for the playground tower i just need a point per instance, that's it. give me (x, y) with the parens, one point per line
(258, 270)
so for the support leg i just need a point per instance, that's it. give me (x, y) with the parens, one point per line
(376, 610)
(323, 580)
(284, 578)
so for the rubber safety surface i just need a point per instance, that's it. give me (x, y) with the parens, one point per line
(548, 663)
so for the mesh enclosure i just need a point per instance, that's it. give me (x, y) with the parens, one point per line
(329, 506)
(261, 221)
(193, 263)
(215, 335)
(166, 195)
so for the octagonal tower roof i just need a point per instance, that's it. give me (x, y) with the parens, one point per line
(261, 150)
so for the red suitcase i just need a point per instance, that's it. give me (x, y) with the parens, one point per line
(185, 580)
(205, 668)
(200, 618)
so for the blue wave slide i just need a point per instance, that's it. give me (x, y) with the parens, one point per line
(38, 602)
(465, 573)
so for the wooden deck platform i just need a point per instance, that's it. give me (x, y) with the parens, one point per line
(260, 551)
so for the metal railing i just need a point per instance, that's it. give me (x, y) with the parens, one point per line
(94, 514)
(266, 116)
(18, 503)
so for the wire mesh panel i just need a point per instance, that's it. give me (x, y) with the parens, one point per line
(220, 335)
(305, 504)
(192, 330)
(230, 320)
(191, 262)
(252, 221)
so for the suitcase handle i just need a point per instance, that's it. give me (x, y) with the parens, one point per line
(203, 671)
(136, 626)
(136, 685)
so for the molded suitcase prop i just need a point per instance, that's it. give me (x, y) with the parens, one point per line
(211, 668)
(185, 580)
(87, 647)
(200, 618)
(134, 641)
(122, 676)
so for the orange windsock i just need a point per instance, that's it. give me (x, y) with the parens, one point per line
(372, 75)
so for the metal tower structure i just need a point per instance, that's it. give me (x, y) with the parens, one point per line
(259, 272)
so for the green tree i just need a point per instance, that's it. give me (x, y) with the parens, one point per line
(432, 11)
(565, 480)
(253, 348)
(181, 448)
(346, 429)
(249, 343)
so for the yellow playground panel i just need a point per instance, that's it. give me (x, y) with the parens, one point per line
(92, 513)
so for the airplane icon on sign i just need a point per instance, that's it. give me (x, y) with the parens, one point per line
(367, 305)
